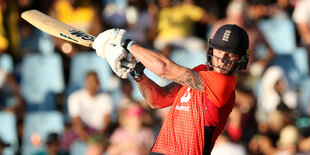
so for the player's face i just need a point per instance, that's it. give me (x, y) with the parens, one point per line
(223, 62)
(92, 84)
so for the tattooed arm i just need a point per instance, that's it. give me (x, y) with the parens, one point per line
(163, 67)
(156, 96)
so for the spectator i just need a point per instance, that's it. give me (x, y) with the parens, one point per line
(90, 112)
(9, 20)
(97, 144)
(288, 140)
(131, 137)
(126, 100)
(141, 24)
(304, 145)
(9, 87)
(234, 126)
(224, 145)
(52, 144)
(175, 26)
(82, 14)
(301, 17)
(274, 94)
(282, 9)
(3, 145)
(261, 144)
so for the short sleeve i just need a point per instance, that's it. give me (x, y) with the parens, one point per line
(73, 105)
(195, 13)
(302, 12)
(218, 87)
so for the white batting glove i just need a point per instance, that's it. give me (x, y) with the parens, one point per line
(111, 37)
(108, 45)
(129, 63)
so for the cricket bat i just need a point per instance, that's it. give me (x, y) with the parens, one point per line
(58, 29)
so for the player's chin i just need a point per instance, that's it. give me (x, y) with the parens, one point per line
(225, 72)
(219, 70)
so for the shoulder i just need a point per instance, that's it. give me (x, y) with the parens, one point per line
(201, 68)
(218, 78)
(78, 93)
(215, 78)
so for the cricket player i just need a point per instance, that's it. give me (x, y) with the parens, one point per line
(201, 98)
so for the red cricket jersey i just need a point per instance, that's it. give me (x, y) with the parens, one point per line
(196, 118)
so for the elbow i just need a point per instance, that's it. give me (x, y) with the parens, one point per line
(162, 69)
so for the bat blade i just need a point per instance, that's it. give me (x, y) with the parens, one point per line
(56, 28)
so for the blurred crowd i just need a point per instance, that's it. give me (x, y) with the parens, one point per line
(61, 98)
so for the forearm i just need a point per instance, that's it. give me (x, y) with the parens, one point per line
(165, 68)
(156, 96)
(156, 62)
(304, 32)
(79, 129)
(106, 121)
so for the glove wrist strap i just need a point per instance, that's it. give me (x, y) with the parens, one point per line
(137, 71)
(127, 43)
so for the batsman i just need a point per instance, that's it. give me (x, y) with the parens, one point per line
(201, 98)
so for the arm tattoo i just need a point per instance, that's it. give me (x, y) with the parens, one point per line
(167, 91)
(142, 90)
(190, 79)
(171, 90)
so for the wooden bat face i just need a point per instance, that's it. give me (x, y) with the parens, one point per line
(58, 29)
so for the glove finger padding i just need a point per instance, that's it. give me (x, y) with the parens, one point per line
(108, 45)
(128, 66)
(114, 58)
(111, 36)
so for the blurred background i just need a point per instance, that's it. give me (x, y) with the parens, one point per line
(61, 98)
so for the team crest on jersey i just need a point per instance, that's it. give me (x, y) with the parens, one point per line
(187, 96)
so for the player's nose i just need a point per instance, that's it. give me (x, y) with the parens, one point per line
(223, 56)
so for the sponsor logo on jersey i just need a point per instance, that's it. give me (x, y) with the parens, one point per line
(187, 96)
(182, 108)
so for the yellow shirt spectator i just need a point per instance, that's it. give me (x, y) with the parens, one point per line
(177, 22)
(80, 17)
(4, 43)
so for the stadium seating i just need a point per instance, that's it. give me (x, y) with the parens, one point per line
(304, 98)
(6, 62)
(81, 64)
(8, 132)
(279, 33)
(41, 124)
(41, 77)
(84, 62)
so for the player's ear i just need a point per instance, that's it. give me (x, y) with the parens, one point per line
(209, 41)
(209, 53)
(243, 62)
